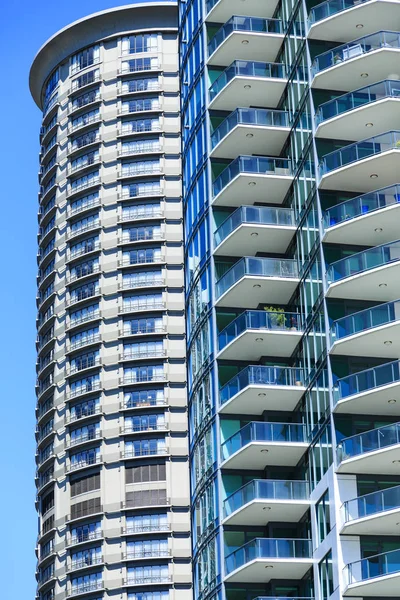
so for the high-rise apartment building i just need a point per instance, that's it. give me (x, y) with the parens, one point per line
(112, 448)
(291, 155)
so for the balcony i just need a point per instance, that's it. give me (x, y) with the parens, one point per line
(373, 514)
(262, 501)
(338, 20)
(346, 117)
(372, 274)
(256, 178)
(257, 333)
(375, 214)
(259, 444)
(84, 463)
(370, 392)
(373, 452)
(348, 65)
(371, 332)
(250, 229)
(219, 11)
(357, 167)
(248, 83)
(252, 281)
(377, 576)
(250, 131)
(264, 559)
(258, 388)
(251, 38)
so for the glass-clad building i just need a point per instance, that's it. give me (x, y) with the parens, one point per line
(290, 154)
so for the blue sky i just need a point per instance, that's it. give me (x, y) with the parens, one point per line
(24, 27)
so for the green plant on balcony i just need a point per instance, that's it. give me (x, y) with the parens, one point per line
(276, 315)
(337, 58)
(397, 144)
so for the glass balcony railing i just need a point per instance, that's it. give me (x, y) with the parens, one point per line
(383, 314)
(263, 489)
(369, 441)
(256, 320)
(372, 504)
(363, 261)
(358, 151)
(362, 97)
(257, 267)
(259, 117)
(261, 375)
(247, 68)
(267, 548)
(256, 165)
(252, 24)
(367, 380)
(330, 8)
(373, 566)
(364, 204)
(259, 431)
(363, 45)
(254, 215)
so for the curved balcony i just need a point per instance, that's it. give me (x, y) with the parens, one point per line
(348, 65)
(219, 11)
(250, 229)
(337, 20)
(251, 38)
(248, 83)
(264, 559)
(374, 214)
(377, 576)
(374, 391)
(252, 281)
(256, 178)
(376, 451)
(346, 117)
(371, 332)
(372, 274)
(262, 501)
(373, 514)
(259, 443)
(257, 333)
(358, 167)
(257, 388)
(250, 131)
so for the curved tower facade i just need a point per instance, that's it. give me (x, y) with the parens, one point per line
(112, 451)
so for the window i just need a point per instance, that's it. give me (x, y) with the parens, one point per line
(84, 314)
(83, 533)
(88, 245)
(85, 181)
(85, 291)
(140, 211)
(142, 301)
(145, 473)
(158, 595)
(87, 384)
(143, 374)
(140, 64)
(144, 398)
(50, 144)
(148, 84)
(47, 503)
(85, 224)
(140, 125)
(147, 574)
(323, 516)
(142, 167)
(84, 202)
(141, 104)
(151, 422)
(84, 434)
(146, 549)
(85, 558)
(147, 42)
(85, 268)
(142, 256)
(85, 58)
(85, 79)
(84, 140)
(136, 234)
(51, 85)
(85, 409)
(48, 524)
(146, 498)
(150, 447)
(84, 361)
(85, 160)
(326, 576)
(85, 119)
(84, 337)
(143, 350)
(141, 146)
(84, 458)
(85, 99)
(147, 523)
(85, 484)
(142, 278)
(46, 549)
(86, 583)
(46, 573)
(87, 507)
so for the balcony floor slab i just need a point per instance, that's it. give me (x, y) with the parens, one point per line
(272, 290)
(255, 187)
(365, 285)
(261, 512)
(254, 399)
(251, 345)
(384, 461)
(384, 586)
(258, 455)
(262, 570)
(364, 228)
(252, 139)
(225, 9)
(261, 46)
(383, 523)
(262, 92)
(371, 342)
(250, 238)
(372, 402)
(346, 76)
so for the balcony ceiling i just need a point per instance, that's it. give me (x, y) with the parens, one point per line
(261, 512)
(365, 285)
(258, 46)
(262, 570)
(225, 9)
(385, 461)
(380, 64)
(364, 228)
(372, 402)
(268, 188)
(251, 345)
(263, 92)
(356, 176)
(246, 140)
(258, 455)
(268, 290)
(376, 15)
(248, 239)
(371, 342)
(385, 586)
(351, 125)
(383, 523)
(256, 398)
